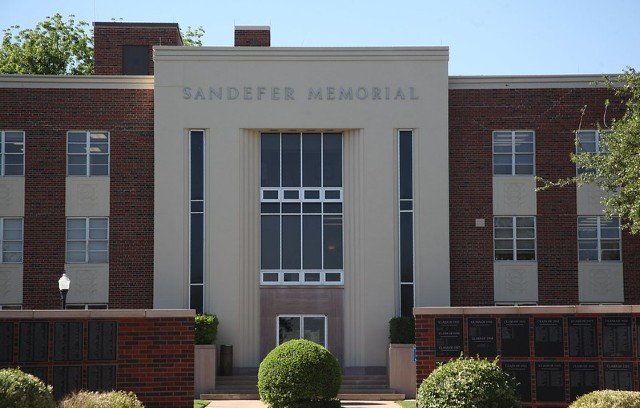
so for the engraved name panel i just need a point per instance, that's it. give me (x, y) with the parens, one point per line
(583, 379)
(101, 378)
(616, 336)
(449, 336)
(34, 341)
(548, 337)
(618, 376)
(67, 341)
(103, 340)
(521, 371)
(6, 342)
(550, 381)
(482, 336)
(582, 337)
(515, 337)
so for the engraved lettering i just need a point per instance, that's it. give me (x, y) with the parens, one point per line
(247, 95)
(275, 94)
(412, 94)
(315, 93)
(362, 93)
(199, 94)
(346, 94)
(375, 93)
(331, 93)
(186, 92)
(399, 94)
(387, 90)
(232, 93)
(217, 92)
(288, 94)
(261, 91)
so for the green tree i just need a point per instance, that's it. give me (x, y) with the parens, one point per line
(55, 46)
(617, 169)
(192, 37)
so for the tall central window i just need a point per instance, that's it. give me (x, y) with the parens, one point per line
(301, 209)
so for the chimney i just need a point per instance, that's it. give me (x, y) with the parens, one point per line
(252, 36)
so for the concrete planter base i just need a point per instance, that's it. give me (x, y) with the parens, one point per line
(402, 369)
(205, 364)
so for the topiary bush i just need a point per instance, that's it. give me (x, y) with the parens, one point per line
(468, 382)
(90, 399)
(206, 328)
(402, 330)
(608, 399)
(300, 374)
(19, 390)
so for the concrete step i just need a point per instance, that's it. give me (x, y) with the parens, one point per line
(341, 396)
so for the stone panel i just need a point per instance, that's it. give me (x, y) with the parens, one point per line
(11, 196)
(515, 282)
(600, 282)
(87, 197)
(514, 195)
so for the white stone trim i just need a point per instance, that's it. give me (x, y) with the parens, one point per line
(77, 81)
(527, 310)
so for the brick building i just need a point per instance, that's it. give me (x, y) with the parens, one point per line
(299, 192)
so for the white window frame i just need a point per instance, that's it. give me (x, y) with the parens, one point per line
(3, 154)
(302, 316)
(514, 238)
(2, 220)
(87, 154)
(598, 135)
(204, 216)
(513, 152)
(413, 219)
(87, 240)
(599, 240)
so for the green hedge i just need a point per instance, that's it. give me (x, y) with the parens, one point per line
(402, 330)
(468, 382)
(19, 390)
(206, 328)
(90, 399)
(299, 374)
(608, 399)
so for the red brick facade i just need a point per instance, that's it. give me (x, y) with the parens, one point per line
(252, 37)
(46, 115)
(109, 38)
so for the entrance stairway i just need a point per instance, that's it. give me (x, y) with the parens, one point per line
(354, 388)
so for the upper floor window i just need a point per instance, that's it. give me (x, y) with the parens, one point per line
(598, 238)
(11, 153)
(514, 238)
(87, 240)
(88, 153)
(11, 238)
(589, 141)
(513, 152)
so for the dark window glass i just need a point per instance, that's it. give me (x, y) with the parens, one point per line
(288, 329)
(291, 242)
(135, 60)
(332, 160)
(406, 164)
(311, 157)
(197, 246)
(197, 165)
(406, 300)
(197, 299)
(270, 160)
(270, 242)
(270, 195)
(312, 195)
(291, 195)
(270, 208)
(332, 242)
(291, 208)
(312, 241)
(406, 247)
(333, 208)
(332, 195)
(406, 205)
(312, 208)
(290, 160)
(197, 206)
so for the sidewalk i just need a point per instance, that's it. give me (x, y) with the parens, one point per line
(258, 404)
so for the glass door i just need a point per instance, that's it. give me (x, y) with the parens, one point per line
(309, 327)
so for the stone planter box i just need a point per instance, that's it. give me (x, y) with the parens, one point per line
(402, 369)
(205, 363)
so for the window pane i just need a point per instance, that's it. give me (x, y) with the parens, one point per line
(406, 300)
(610, 245)
(610, 233)
(406, 247)
(310, 208)
(270, 277)
(312, 242)
(197, 165)
(504, 222)
(270, 160)
(99, 159)
(502, 255)
(312, 277)
(77, 137)
(332, 277)
(270, 242)
(196, 298)
(98, 137)
(288, 329)
(290, 160)
(502, 159)
(77, 170)
(526, 255)
(311, 160)
(291, 208)
(502, 169)
(197, 248)
(610, 255)
(14, 137)
(13, 235)
(332, 242)
(12, 224)
(587, 245)
(99, 148)
(98, 246)
(14, 147)
(314, 329)
(524, 169)
(525, 233)
(504, 233)
(525, 222)
(99, 170)
(12, 257)
(406, 164)
(291, 277)
(270, 208)
(98, 257)
(332, 208)
(524, 137)
(12, 246)
(525, 244)
(591, 255)
(98, 223)
(75, 256)
(504, 244)
(332, 160)
(502, 142)
(77, 246)
(78, 148)
(291, 242)
(77, 160)
(524, 159)
(610, 223)
(14, 170)
(76, 223)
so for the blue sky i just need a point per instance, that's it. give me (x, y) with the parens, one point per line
(489, 37)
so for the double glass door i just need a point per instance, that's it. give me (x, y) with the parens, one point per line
(309, 327)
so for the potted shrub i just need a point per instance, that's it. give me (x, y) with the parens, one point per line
(205, 361)
(402, 368)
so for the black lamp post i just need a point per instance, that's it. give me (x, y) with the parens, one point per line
(63, 284)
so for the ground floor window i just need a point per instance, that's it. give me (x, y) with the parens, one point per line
(309, 327)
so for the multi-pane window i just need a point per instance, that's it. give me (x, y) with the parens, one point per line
(87, 153)
(11, 238)
(308, 327)
(405, 170)
(87, 240)
(514, 238)
(513, 152)
(11, 153)
(196, 220)
(589, 141)
(598, 238)
(301, 208)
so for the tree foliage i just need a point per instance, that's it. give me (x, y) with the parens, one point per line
(617, 170)
(192, 37)
(54, 46)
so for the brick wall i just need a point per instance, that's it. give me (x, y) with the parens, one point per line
(109, 38)
(554, 115)
(46, 115)
(154, 357)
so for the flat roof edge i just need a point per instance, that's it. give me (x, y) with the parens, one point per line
(526, 310)
(90, 314)
(529, 81)
(77, 81)
(134, 24)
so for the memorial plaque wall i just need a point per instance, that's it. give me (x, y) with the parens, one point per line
(34, 341)
(482, 336)
(449, 337)
(103, 340)
(583, 379)
(67, 341)
(618, 376)
(101, 378)
(521, 371)
(66, 379)
(550, 382)
(40, 372)
(583, 339)
(548, 337)
(6, 342)
(616, 336)
(514, 336)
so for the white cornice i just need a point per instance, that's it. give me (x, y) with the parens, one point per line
(77, 81)
(528, 81)
(526, 310)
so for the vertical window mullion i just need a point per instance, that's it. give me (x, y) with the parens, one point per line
(87, 141)
(514, 232)
(513, 153)
(1, 153)
(2, 240)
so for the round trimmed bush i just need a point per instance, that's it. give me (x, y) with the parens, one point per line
(206, 328)
(19, 389)
(608, 399)
(90, 399)
(468, 382)
(300, 373)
